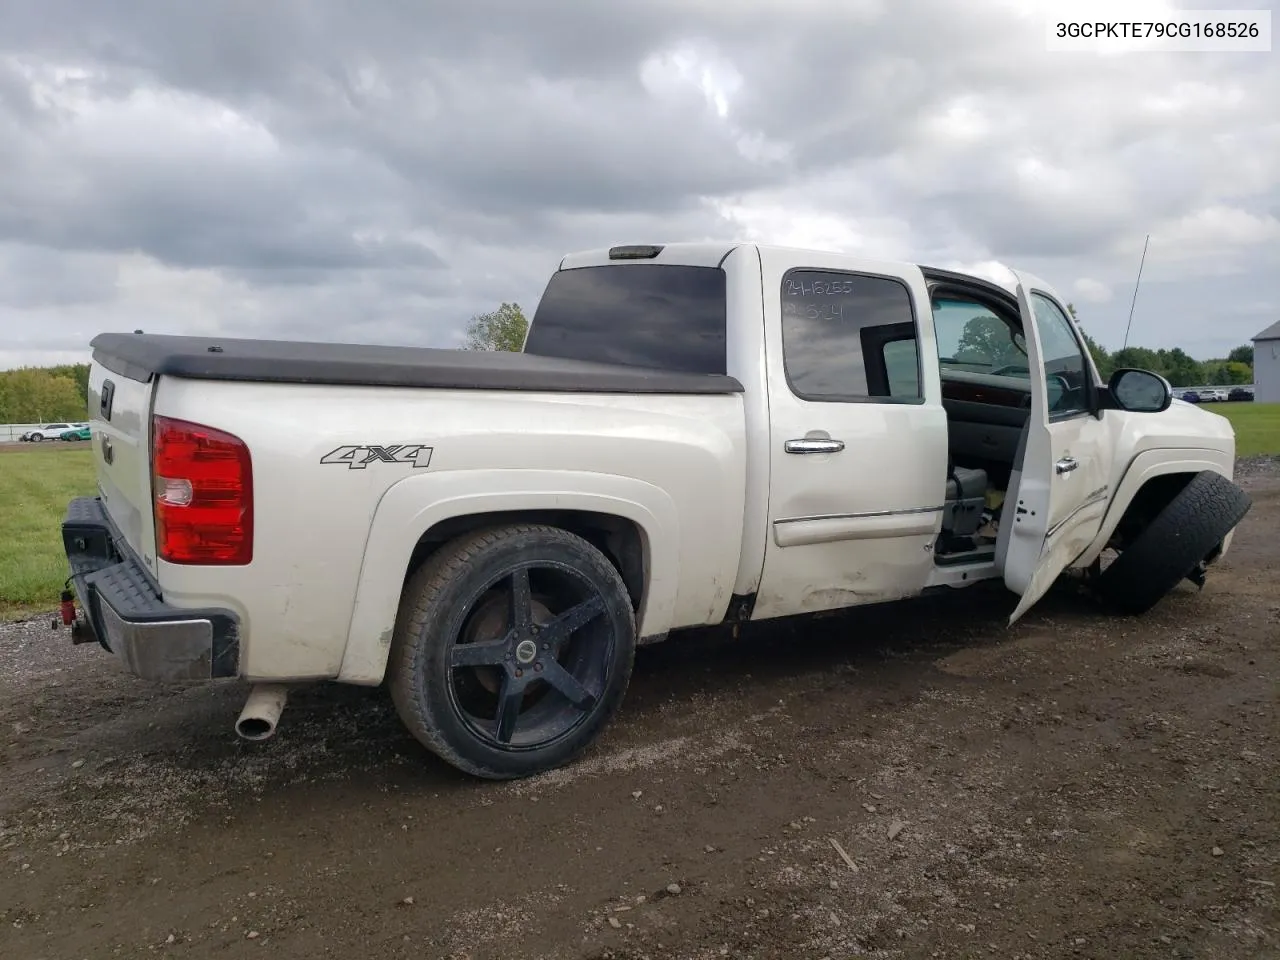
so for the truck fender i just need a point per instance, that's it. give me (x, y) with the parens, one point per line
(412, 506)
(1145, 466)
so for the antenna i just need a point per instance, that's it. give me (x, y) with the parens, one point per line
(1129, 325)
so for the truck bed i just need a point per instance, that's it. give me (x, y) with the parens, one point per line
(143, 356)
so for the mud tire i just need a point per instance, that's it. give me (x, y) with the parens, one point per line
(1173, 544)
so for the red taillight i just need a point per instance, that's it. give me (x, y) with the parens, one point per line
(202, 481)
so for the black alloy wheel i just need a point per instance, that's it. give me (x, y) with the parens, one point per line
(513, 648)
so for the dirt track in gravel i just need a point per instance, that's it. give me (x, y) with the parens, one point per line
(1078, 786)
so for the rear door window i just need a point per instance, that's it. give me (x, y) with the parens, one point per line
(849, 337)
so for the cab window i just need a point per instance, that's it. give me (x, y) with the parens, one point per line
(1066, 369)
(849, 337)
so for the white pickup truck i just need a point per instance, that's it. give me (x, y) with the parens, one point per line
(694, 434)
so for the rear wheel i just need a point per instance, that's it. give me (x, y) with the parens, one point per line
(1174, 544)
(513, 648)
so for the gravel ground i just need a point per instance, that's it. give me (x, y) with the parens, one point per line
(907, 781)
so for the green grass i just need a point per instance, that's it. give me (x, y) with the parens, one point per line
(34, 489)
(1257, 426)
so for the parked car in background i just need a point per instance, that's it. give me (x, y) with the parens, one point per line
(1212, 394)
(50, 431)
(1240, 393)
(76, 433)
(1191, 396)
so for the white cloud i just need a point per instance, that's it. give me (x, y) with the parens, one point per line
(383, 173)
(671, 73)
(992, 270)
(800, 225)
(1091, 291)
(1217, 229)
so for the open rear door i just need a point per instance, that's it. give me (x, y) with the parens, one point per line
(1058, 493)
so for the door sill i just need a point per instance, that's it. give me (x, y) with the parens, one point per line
(984, 554)
(965, 570)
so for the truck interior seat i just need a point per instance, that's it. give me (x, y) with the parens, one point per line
(966, 496)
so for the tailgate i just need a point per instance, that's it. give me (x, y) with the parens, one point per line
(120, 408)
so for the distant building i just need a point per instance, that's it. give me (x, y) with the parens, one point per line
(1266, 365)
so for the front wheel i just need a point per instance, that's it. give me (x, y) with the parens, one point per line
(1174, 544)
(513, 648)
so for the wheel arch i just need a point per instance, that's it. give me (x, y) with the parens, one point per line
(634, 523)
(619, 538)
(1149, 483)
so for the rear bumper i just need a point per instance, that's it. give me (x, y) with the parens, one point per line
(127, 614)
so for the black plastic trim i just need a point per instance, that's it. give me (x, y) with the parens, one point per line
(980, 556)
(635, 251)
(119, 365)
(141, 356)
(874, 340)
(107, 398)
(727, 254)
(104, 569)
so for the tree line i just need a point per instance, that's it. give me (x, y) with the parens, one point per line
(1176, 365)
(49, 394)
(987, 341)
(44, 394)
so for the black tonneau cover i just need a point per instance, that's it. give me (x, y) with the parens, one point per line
(140, 356)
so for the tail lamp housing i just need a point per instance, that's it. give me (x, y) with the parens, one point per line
(202, 484)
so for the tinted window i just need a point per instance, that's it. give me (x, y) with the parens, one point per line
(646, 315)
(840, 331)
(1064, 361)
(903, 367)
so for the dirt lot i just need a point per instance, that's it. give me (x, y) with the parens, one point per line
(1079, 786)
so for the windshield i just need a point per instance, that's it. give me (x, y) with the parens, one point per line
(971, 338)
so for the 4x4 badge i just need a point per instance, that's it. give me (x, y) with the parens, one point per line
(359, 457)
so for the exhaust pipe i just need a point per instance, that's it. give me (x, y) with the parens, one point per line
(261, 711)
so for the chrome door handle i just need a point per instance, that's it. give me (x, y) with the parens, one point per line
(1066, 465)
(813, 445)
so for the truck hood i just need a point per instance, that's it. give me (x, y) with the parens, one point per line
(1185, 425)
(1198, 418)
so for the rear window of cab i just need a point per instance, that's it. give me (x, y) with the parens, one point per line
(665, 316)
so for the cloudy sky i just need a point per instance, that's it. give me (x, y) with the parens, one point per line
(380, 170)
